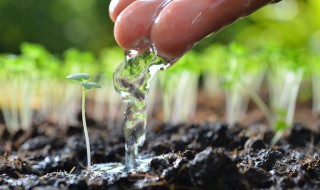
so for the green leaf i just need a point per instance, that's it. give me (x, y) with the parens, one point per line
(89, 85)
(79, 77)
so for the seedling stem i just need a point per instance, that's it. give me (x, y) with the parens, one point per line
(85, 129)
(83, 77)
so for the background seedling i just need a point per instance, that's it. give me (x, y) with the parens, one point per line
(315, 74)
(284, 78)
(83, 78)
(179, 87)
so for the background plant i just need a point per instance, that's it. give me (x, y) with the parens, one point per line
(286, 69)
(233, 74)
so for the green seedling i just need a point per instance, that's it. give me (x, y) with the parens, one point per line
(83, 78)
(286, 71)
(179, 86)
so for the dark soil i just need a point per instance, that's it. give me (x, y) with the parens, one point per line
(196, 156)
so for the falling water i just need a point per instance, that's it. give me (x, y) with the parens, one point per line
(132, 82)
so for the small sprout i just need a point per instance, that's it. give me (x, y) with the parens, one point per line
(83, 77)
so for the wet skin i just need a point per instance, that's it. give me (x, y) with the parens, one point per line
(173, 26)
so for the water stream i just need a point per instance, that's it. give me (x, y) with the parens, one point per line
(132, 82)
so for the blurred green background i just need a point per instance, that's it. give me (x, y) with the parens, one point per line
(56, 24)
(84, 24)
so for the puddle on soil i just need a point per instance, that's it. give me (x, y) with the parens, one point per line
(132, 82)
(142, 166)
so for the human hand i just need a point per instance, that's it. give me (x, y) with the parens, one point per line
(172, 27)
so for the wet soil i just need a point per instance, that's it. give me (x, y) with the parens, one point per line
(210, 155)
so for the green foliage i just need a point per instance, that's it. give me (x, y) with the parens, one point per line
(109, 58)
(190, 61)
(314, 63)
(292, 24)
(39, 58)
(232, 63)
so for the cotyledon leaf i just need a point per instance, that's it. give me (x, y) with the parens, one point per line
(89, 85)
(79, 76)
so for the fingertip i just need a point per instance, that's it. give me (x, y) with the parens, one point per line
(133, 25)
(112, 7)
(173, 32)
(116, 7)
